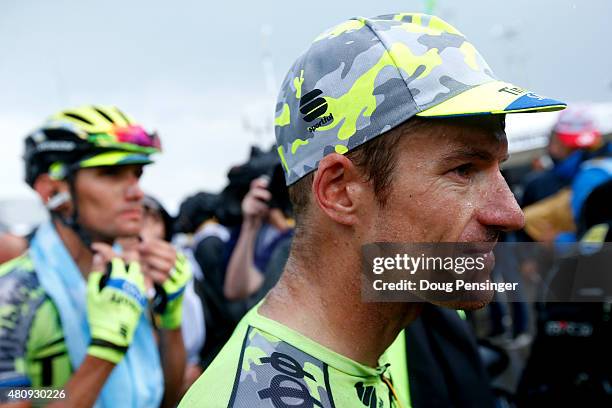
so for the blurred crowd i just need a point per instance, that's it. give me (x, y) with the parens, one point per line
(237, 241)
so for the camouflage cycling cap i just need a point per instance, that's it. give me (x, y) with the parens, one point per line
(368, 75)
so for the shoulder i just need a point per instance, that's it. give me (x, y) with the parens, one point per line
(21, 263)
(209, 246)
(256, 369)
(219, 376)
(21, 298)
(538, 179)
(19, 282)
(24, 304)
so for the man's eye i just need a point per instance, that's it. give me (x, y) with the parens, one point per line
(109, 171)
(465, 170)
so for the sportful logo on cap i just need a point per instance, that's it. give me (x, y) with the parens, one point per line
(312, 106)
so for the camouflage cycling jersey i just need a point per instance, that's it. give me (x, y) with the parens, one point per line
(32, 348)
(266, 364)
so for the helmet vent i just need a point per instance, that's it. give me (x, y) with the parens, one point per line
(122, 115)
(77, 117)
(103, 114)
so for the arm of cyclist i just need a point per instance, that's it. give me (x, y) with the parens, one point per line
(173, 359)
(170, 272)
(115, 300)
(86, 384)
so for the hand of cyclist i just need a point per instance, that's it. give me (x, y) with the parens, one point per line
(115, 301)
(168, 302)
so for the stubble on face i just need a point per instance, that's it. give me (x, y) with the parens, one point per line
(104, 207)
(446, 189)
(443, 173)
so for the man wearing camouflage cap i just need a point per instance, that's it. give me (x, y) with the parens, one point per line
(433, 177)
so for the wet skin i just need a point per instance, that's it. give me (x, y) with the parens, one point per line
(447, 186)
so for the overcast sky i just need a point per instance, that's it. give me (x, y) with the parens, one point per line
(193, 69)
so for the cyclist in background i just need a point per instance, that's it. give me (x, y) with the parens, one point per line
(74, 313)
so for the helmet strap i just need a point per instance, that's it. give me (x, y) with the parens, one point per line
(71, 221)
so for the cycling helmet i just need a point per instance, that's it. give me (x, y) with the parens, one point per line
(88, 136)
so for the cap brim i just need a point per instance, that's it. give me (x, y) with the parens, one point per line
(494, 97)
(115, 159)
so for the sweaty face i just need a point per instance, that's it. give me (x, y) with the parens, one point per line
(447, 187)
(110, 201)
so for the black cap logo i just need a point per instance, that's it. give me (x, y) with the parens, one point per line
(312, 106)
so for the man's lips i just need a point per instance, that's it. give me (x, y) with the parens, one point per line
(483, 253)
(478, 248)
(132, 213)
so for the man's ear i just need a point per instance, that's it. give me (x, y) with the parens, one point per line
(339, 188)
(46, 187)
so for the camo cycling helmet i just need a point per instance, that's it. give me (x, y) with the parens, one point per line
(87, 136)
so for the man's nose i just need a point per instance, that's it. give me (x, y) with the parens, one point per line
(133, 191)
(500, 209)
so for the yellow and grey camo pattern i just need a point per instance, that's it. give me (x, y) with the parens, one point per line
(271, 367)
(273, 373)
(366, 76)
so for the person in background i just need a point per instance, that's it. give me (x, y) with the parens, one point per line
(582, 325)
(263, 231)
(229, 249)
(581, 261)
(546, 197)
(74, 312)
(196, 220)
(157, 231)
(574, 138)
(551, 197)
(205, 248)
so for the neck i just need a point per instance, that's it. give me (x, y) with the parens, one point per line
(327, 294)
(81, 254)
